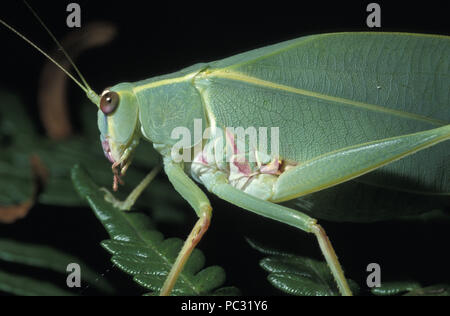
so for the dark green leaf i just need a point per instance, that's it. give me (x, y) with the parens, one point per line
(434, 290)
(297, 275)
(17, 184)
(20, 285)
(15, 123)
(140, 250)
(411, 288)
(48, 258)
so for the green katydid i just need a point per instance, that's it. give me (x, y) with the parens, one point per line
(287, 86)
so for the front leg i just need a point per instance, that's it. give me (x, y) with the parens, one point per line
(128, 203)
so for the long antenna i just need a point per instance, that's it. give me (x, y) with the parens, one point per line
(85, 87)
(43, 53)
(57, 43)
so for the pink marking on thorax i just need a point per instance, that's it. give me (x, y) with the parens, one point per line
(243, 167)
(271, 168)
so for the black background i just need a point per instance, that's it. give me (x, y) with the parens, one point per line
(156, 38)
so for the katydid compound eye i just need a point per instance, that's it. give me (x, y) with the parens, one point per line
(109, 102)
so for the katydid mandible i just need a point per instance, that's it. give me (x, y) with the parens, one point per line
(286, 86)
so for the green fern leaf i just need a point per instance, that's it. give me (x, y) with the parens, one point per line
(434, 290)
(297, 275)
(45, 257)
(15, 168)
(26, 286)
(138, 249)
(411, 288)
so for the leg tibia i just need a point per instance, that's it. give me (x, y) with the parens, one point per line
(191, 242)
(200, 203)
(290, 217)
(128, 203)
(332, 259)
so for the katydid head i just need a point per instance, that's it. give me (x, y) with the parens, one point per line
(119, 126)
(118, 110)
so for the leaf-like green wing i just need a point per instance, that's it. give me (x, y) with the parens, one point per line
(140, 250)
(331, 91)
(354, 201)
